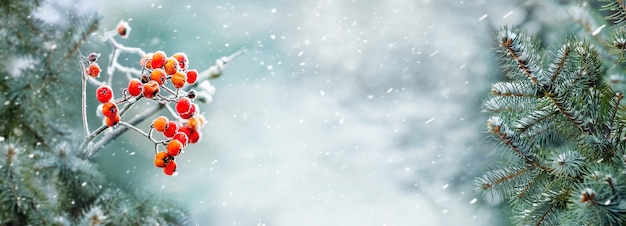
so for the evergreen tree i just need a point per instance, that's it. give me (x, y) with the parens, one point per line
(560, 125)
(47, 173)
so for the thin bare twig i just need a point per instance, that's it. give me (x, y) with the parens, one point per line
(83, 106)
(98, 146)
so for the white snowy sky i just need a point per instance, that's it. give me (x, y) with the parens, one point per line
(341, 112)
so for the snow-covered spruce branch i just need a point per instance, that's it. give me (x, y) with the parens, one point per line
(560, 129)
(518, 54)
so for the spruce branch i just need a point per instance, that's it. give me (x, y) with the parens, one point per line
(562, 56)
(518, 89)
(508, 104)
(571, 114)
(615, 104)
(497, 177)
(506, 136)
(617, 11)
(560, 129)
(535, 118)
(568, 163)
(546, 208)
(529, 186)
(518, 51)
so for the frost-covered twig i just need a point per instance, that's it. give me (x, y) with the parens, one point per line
(98, 146)
(110, 36)
(216, 70)
(83, 104)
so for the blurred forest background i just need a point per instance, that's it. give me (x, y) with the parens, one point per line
(340, 113)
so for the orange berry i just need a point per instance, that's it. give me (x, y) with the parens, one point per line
(135, 87)
(192, 76)
(172, 128)
(158, 59)
(170, 168)
(146, 61)
(171, 66)
(174, 147)
(161, 159)
(182, 60)
(158, 75)
(150, 89)
(93, 70)
(195, 122)
(178, 79)
(123, 29)
(112, 121)
(160, 123)
(200, 119)
(109, 109)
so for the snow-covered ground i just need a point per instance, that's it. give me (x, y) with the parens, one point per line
(340, 113)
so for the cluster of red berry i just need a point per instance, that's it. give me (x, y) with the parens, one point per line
(163, 79)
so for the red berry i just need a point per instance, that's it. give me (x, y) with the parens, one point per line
(135, 87)
(178, 79)
(170, 168)
(171, 66)
(192, 75)
(109, 109)
(194, 136)
(158, 59)
(160, 123)
(183, 105)
(190, 113)
(158, 75)
(150, 89)
(112, 121)
(104, 93)
(182, 60)
(182, 137)
(161, 159)
(170, 131)
(185, 130)
(174, 147)
(93, 70)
